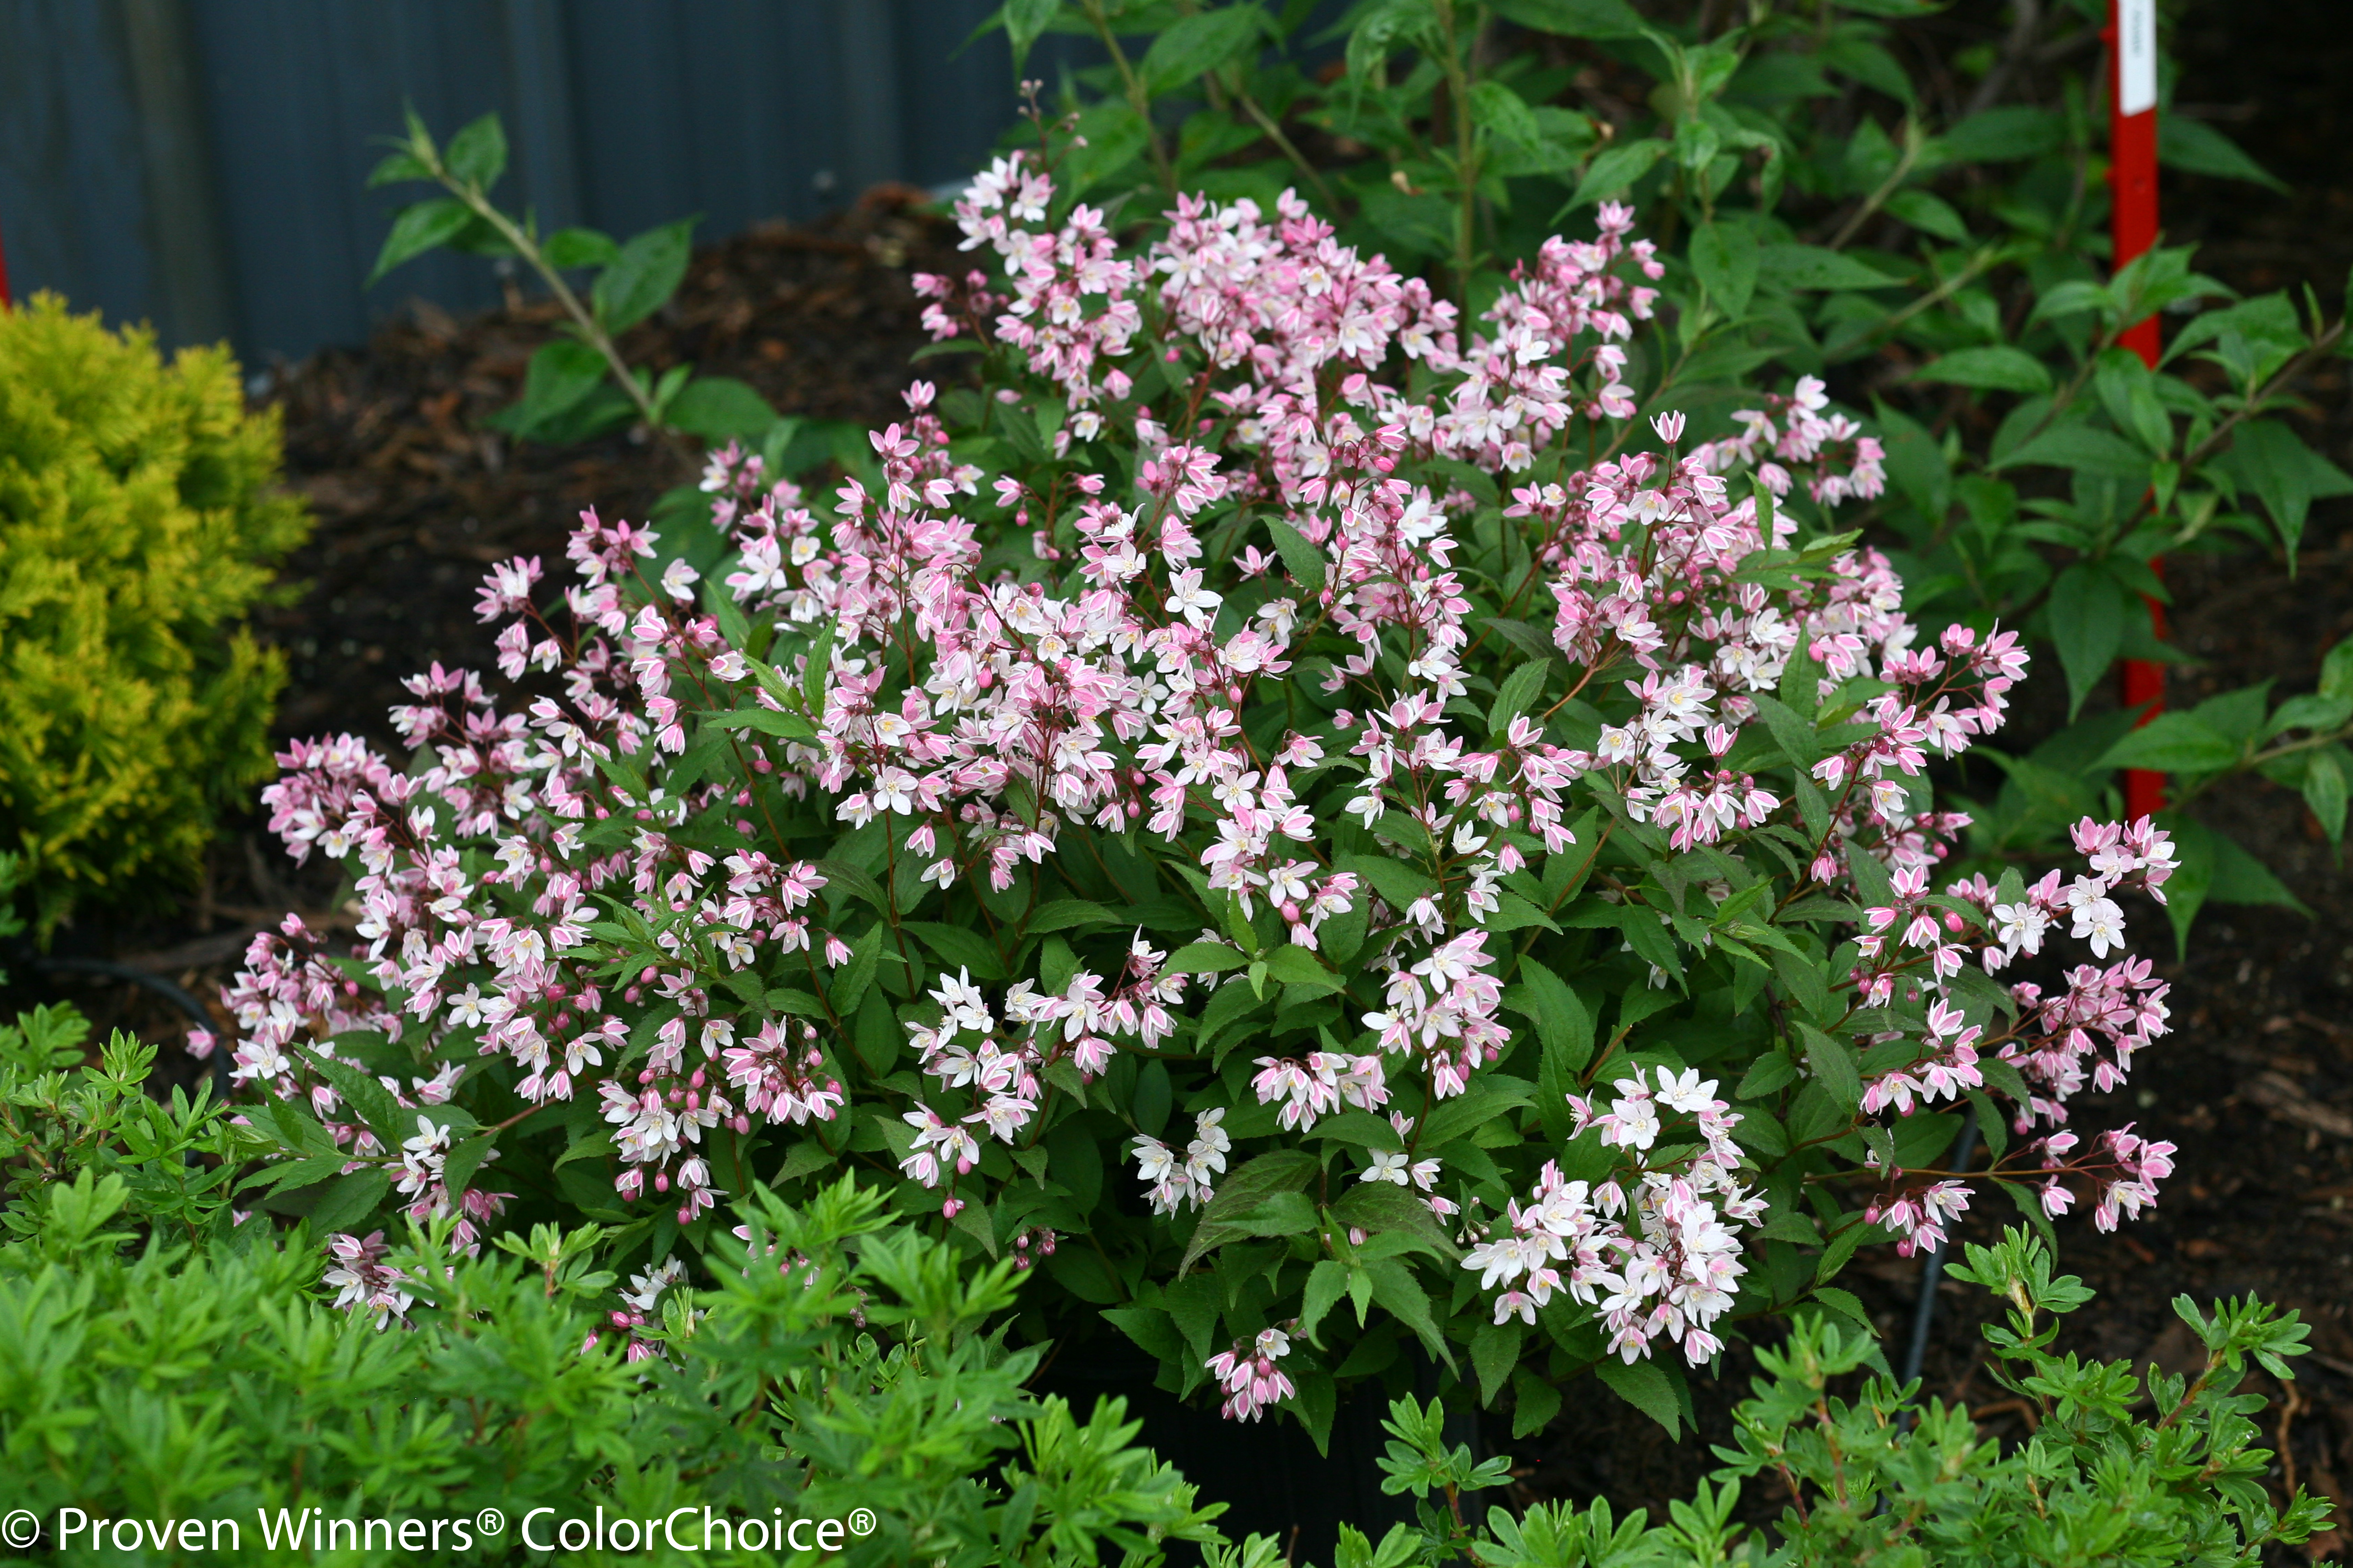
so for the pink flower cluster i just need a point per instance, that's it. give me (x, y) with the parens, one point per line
(1673, 1271)
(1249, 1376)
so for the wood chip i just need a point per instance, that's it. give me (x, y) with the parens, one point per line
(2285, 1100)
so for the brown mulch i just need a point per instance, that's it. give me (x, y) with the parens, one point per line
(415, 498)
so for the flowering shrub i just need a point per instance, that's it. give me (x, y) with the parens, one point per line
(1318, 810)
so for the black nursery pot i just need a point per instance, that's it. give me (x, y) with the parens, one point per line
(1266, 1471)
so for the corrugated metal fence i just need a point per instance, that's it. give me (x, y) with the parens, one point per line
(198, 164)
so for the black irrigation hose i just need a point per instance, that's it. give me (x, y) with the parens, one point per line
(1933, 1266)
(175, 994)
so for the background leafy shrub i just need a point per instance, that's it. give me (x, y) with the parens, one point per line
(1837, 192)
(137, 525)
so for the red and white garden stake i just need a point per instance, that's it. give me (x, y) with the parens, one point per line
(2132, 173)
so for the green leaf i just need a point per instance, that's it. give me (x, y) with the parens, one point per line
(349, 1200)
(365, 1098)
(1024, 21)
(1999, 369)
(1535, 1402)
(2003, 135)
(458, 1169)
(1504, 114)
(1152, 1329)
(1769, 1074)
(1814, 267)
(1612, 170)
(399, 168)
(1398, 883)
(2173, 744)
(2322, 715)
(1799, 740)
(766, 721)
(1396, 1288)
(852, 980)
(1205, 958)
(2324, 791)
(1643, 1384)
(1066, 914)
(1326, 1283)
(1575, 18)
(877, 1034)
(644, 276)
(2082, 449)
(562, 375)
(1930, 214)
(975, 1220)
(1725, 259)
(1494, 1351)
(1192, 47)
(2269, 456)
(718, 408)
(1303, 560)
(1382, 1208)
(2196, 148)
(478, 154)
(1518, 692)
(1563, 1025)
(420, 227)
(792, 1000)
(1245, 1187)
(1153, 1099)
(2241, 879)
(570, 248)
(1843, 1245)
(1295, 965)
(818, 671)
(1834, 1067)
(2087, 622)
(1845, 1305)
(2337, 671)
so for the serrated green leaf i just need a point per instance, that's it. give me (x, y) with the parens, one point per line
(1303, 560)
(1643, 1384)
(1833, 1062)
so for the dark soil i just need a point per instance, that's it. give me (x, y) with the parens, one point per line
(2255, 1084)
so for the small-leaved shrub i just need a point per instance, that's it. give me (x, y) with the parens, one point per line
(138, 524)
(839, 1369)
(2113, 1468)
(161, 1362)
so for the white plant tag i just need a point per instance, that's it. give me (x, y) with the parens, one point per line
(2135, 55)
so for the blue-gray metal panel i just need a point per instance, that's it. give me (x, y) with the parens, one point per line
(620, 113)
(72, 196)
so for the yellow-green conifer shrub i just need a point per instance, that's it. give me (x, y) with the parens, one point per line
(138, 523)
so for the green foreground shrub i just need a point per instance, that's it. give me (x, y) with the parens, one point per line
(137, 526)
(160, 1361)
